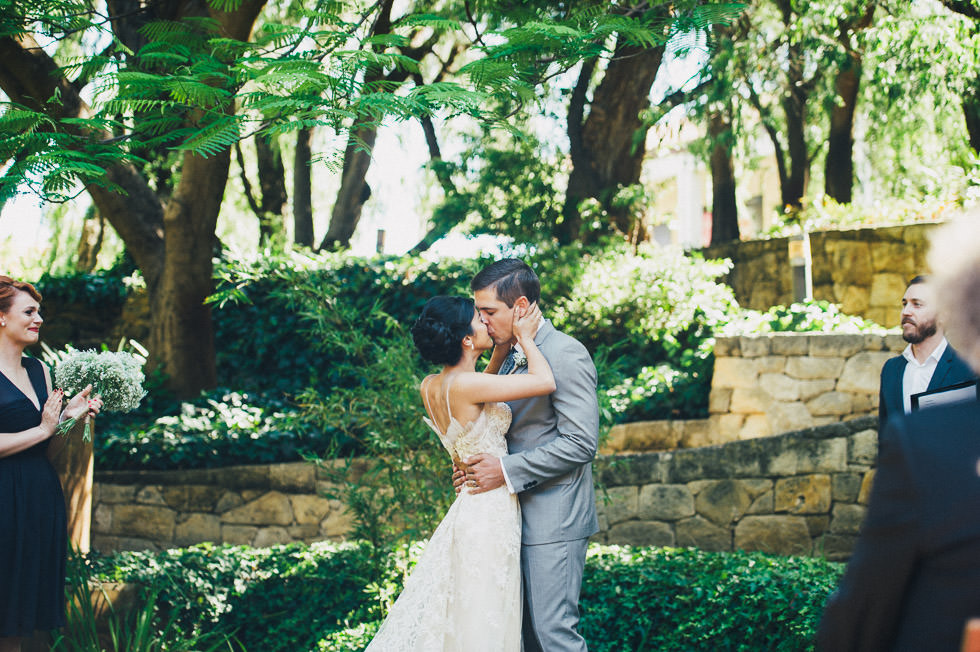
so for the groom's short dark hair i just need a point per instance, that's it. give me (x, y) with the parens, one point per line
(512, 278)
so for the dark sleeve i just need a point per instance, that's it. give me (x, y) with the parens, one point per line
(862, 615)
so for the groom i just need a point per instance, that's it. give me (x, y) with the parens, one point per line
(551, 443)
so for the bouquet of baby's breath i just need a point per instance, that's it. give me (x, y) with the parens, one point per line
(116, 377)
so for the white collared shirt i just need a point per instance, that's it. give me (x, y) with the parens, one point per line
(917, 376)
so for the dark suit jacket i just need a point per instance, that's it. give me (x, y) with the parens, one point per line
(949, 370)
(914, 578)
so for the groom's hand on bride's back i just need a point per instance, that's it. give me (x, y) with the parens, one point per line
(459, 478)
(483, 473)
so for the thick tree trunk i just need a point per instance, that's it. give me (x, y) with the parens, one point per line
(724, 210)
(354, 190)
(839, 166)
(185, 339)
(303, 189)
(794, 107)
(612, 137)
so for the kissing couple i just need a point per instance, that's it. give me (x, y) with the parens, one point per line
(503, 570)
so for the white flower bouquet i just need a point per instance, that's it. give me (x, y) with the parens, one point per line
(116, 377)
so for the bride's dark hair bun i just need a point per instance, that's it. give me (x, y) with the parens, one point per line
(439, 331)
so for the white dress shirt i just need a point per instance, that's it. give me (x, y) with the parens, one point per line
(917, 376)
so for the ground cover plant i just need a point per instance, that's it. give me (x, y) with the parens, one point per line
(329, 596)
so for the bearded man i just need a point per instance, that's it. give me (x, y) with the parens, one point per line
(927, 363)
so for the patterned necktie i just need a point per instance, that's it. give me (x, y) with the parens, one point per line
(508, 364)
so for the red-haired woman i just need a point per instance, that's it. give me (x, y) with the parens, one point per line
(33, 530)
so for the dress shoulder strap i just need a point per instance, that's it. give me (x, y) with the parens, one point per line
(449, 384)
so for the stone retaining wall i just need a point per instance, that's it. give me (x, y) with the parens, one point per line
(863, 270)
(799, 493)
(258, 505)
(769, 384)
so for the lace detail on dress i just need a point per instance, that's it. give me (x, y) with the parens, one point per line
(465, 591)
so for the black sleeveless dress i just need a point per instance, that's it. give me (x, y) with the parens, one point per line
(33, 524)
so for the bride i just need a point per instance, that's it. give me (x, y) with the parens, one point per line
(465, 591)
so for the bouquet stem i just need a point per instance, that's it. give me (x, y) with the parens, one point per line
(68, 424)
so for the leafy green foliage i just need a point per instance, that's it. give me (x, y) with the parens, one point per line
(806, 316)
(332, 597)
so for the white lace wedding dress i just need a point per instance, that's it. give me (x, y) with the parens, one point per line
(464, 595)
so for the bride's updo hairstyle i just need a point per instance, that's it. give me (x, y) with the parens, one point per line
(440, 329)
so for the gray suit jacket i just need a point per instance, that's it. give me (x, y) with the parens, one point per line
(552, 441)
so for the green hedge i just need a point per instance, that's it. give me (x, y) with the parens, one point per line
(328, 596)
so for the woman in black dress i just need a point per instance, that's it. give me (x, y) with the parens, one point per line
(33, 530)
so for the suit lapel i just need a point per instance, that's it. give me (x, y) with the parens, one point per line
(942, 369)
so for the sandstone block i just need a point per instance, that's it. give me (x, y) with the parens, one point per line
(726, 347)
(102, 518)
(107, 543)
(826, 421)
(305, 533)
(781, 535)
(847, 519)
(780, 386)
(844, 487)
(723, 502)
(146, 521)
(752, 400)
(830, 404)
(700, 533)
(894, 342)
(813, 388)
(855, 300)
(866, 483)
(620, 504)
(772, 364)
(272, 508)
(836, 345)
(862, 372)
(863, 447)
(864, 404)
(852, 257)
(790, 344)
(150, 496)
(728, 426)
(886, 292)
(228, 500)
(817, 524)
(887, 317)
(806, 494)
(271, 536)
(309, 510)
(761, 505)
(719, 400)
(735, 372)
(239, 535)
(665, 502)
(695, 433)
(755, 426)
(642, 436)
(337, 524)
(753, 347)
(786, 417)
(808, 367)
(196, 528)
(890, 256)
(641, 533)
(113, 493)
(837, 547)
(192, 498)
(293, 477)
(244, 477)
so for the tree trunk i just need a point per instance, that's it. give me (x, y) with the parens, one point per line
(839, 166)
(354, 190)
(724, 210)
(185, 339)
(612, 143)
(971, 112)
(303, 189)
(172, 247)
(272, 183)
